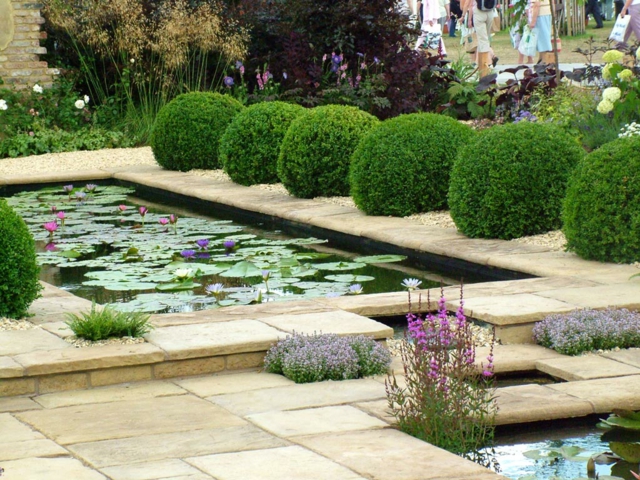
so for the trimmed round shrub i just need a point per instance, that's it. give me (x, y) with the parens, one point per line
(402, 166)
(250, 146)
(316, 150)
(19, 285)
(510, 180)
(602, 208)
(188, 129)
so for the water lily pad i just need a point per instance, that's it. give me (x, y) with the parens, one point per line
(242, 269)
(346, 278)
(380, 259)
(339, 266)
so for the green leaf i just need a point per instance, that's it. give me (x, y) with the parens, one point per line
(346, 278)
(242, 270)
(629, 452)
(70, 254)
(177, 286)
(339, 266)
(380, 259)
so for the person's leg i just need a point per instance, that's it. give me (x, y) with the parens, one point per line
(634, 23)
(597, 14)
(452, 26)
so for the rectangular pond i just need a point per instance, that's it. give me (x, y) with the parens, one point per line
(105, 244)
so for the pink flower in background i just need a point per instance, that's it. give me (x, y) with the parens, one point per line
(122, 208)
(51, 227)
(61, 216)
(163, 221)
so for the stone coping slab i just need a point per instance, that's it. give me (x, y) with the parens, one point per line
(586, 367)
(605, 394)
(515, 358)
(16, 342)
(630, 356)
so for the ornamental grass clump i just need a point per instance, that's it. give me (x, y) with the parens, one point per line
(100, 324)
(447, 400)
(586, 330)
(315, 358)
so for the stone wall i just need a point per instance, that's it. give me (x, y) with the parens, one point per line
(20, 48)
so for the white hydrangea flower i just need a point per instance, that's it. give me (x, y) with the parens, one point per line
(605, 106)
(625, 74)
(37, 88)
(3, 104)
(606, 71)
(79, 104)
(612, 56)
(612, 94)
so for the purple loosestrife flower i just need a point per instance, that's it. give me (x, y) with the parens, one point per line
(203, 243)
(188, 254)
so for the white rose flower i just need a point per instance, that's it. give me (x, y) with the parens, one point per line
(86, 99)
(3, 104)
(79, 104)
(612, 94)
(37, 88)
(604, 107)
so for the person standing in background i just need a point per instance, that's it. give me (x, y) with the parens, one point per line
(593, 8)
(540, 20)
(444, 13)
(482, 12)
(430, 25)
(456, 13)
(633, 7)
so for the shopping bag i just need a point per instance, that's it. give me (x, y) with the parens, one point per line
(529, 42)
(468, 38)
(495, 24)
(619, 29)
(432, 35)
(515, 35)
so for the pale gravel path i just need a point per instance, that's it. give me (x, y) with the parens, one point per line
(109, 158)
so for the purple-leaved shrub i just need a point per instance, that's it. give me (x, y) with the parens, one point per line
(585, 330)
(447, 400)
(314, 358)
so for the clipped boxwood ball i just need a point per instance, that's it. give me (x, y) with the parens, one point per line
(316, 150)
(250, 146)
(602, 208)
(19, 285)
(402, 166)
(188, 129)
(510, 180)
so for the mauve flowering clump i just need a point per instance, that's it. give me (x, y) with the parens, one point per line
(585, 330)
(447, 401)
(315, 358)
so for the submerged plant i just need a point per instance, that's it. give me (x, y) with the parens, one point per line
(447, 401)
(100, 324)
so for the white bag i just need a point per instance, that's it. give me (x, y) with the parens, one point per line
(515, 35)
(620, 28)
(431, 35)
(529, 42)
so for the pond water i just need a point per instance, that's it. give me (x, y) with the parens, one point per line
(104, 244)
(556, 454)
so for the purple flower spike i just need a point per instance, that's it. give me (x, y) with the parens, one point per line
(188, 254)
(203, 243)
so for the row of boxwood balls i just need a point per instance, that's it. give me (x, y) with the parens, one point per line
(504, 182)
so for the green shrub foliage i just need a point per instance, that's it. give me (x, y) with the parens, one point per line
(511, 179)
(601, 213)
(188, 129)
(250, 146)
(19, 285)
(316, 150)
(402, 166)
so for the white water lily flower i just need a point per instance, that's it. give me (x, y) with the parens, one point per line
(611, 94)
(605, 106)
(3, 104)
(37, 88)
(183, 272)
(411, 283)
(79, 104)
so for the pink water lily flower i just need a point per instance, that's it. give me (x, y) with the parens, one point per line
(61, 216)
(51, 227)
(143, 211)
(122, 208)
(163, 221)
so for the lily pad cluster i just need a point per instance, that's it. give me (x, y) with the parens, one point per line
(152, 261)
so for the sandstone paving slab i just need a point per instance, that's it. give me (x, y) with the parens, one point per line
(17, 404)
(313, 421)
(533, 403)
(30, 448)
(526, 285)
(379, 409)
(76, 359)
(9, 368)
(59, 329)
(409, 235)
(16, 342)
(351, 223)
(388, 454)
(605, 394)
(630, 356)
(150, 448)
(49, 469)
(337, 321)
(232, 383)
(625, 295)
(314, 211)
(585, 367)
(49, 290)
(101, 421)
(162, 469)
(511, 309)
(15, 431)
(55, 309)
(120, 393)
(516, 358)
(377, 304)
(292, 463)
(300, 396)
(199, 340)
(54, 177)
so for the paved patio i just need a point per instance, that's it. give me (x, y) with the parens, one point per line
(185, 405)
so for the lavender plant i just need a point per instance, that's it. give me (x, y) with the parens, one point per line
(585, 330)
(447, 400)
(315, 358)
